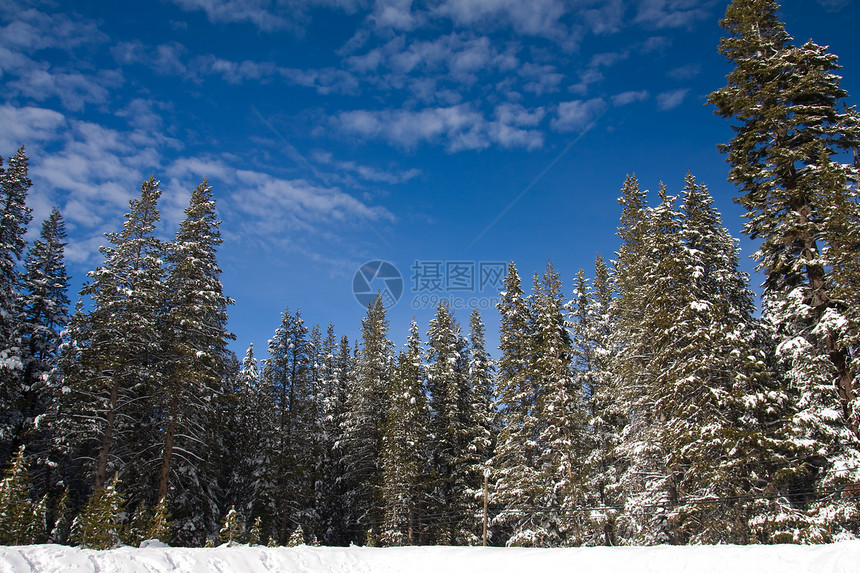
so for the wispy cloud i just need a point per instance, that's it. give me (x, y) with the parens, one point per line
(685, 72)
(73, 89)
(367, 173)
(671, 99)
(673, 13)
(626, 98)
(534, 18)
(457, 127)
(261, 13)
(33, 30)
(577, 115)
(165, 59)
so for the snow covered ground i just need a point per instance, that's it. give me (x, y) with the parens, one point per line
(839, 557)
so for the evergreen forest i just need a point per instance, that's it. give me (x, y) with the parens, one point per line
(656, 403)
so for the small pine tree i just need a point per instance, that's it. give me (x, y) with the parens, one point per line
(159, 523)
(62, 519)
(256, 532)
(16, 509)
(232, 528)
(297, 537)
(100, 524)
(38, 530)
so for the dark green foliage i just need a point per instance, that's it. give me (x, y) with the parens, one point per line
(14, 218)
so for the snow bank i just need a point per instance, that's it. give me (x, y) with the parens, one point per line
(836, 558)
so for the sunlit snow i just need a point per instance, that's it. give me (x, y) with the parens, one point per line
(835, 558)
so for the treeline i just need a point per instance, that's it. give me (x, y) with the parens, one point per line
(654, 405)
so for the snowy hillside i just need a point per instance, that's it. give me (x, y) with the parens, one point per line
(836, 558)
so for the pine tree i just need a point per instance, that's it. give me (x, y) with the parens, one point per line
(711, 371)
(331, 399)
(159, 523)
(254, 535)
(45, 300)
(18, 515)
(562, 418)
(363, 424)
(405, 447)
(232, 528)
(297, 537)
(113, 360)
(451, 424)
(484, 424)
(515, 469)
(788, 160)
(45, 317)
(592, 329)
(63, 518)
(100, 523)
(197, 362)
(288, 371)
(14, 218)
(342, 380)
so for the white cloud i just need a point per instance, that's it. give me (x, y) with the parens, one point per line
(672, 99)
(534, 18)
(28, 126)
(366, 173)
(165, 59)
(324, 80)
(673, 13)
(540, 78)
(577, 115)
(33, 30)
(512, 123)
(260, 13)
(396, 14)
(626, 98)
(459, 125)
(605, 18)
(273, 206)
(74, 89)
(235, 72)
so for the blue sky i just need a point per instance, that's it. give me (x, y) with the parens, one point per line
(334, 132)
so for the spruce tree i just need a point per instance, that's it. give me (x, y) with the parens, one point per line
(18, 518)
(45, 316)
(517, 487)
(363, 424)
(592, 328)
(113, 361)
(484, 425)
(559, 408)
(14, 218)
(288, 371)
(405, 447)
(45, 299)
(788, 158)
(101, 522)
(195, 339)
(450, 427)
(232, 528)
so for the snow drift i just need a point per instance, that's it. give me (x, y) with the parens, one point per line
(835, 558)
